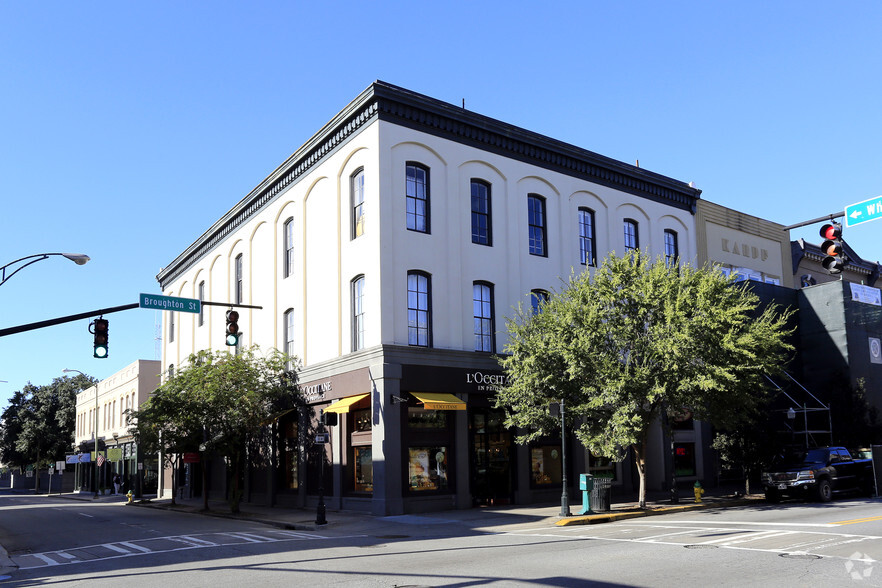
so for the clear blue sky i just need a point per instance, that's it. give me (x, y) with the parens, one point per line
(127, 129)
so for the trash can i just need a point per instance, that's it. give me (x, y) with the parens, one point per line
(600, 494)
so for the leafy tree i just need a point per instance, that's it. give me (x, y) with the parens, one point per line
(218, 402)
(10, 429)
(39, 422)
(639, 342)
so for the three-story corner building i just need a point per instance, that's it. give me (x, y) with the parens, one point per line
(386, 254)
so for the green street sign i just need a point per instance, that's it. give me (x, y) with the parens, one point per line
(157, 302)
(863, 212)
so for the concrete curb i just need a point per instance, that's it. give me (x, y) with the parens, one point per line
(6, 564)
(242, 516)
(593, 519)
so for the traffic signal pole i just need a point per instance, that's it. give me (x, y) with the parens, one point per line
(820, 219)
(65, 319)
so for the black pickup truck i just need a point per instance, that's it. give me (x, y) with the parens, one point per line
(818, 473)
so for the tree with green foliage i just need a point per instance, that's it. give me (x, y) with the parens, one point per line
(635, 343)
(38, 424)
(218, 402)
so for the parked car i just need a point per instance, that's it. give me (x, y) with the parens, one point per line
(817, 473)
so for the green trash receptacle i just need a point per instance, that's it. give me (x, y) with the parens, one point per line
(600, 494)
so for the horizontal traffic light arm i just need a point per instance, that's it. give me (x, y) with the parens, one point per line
(229, 305)
(829, 217)
(65, 319)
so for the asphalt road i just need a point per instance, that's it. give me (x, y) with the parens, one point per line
(64, 542)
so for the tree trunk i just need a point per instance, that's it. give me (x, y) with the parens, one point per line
(174, 463)
(204, 480)
(640, 461)
(235, 492)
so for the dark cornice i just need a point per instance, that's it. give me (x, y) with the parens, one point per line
(853, 261)
(421, 113)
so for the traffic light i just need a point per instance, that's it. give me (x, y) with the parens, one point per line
(232, 328)
(831, 248)
(100, 329)
(329, 419)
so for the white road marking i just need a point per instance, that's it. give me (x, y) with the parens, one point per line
(133, 549)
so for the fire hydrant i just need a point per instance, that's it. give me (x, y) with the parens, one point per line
(698, 491)
(129, 495)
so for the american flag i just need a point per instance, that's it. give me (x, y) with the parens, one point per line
(100, 460)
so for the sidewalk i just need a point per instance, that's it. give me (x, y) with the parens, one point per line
(497, 518)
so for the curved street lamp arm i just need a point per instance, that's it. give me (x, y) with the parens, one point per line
(77, 258)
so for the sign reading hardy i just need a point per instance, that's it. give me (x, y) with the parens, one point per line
(157, 302)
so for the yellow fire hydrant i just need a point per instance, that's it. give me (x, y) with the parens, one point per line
(129, 495)
(698, 491)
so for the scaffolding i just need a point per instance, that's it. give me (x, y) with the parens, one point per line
(798, 411)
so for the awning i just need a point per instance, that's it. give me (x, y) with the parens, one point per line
(344, 404)
(439, 401)
(274, 417)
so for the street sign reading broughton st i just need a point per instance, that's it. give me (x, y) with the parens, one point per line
(863, 212)
(157, 302)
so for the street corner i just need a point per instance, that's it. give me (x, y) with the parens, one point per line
(6, 565)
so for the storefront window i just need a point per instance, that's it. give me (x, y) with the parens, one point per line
(427, 468)
(290, 456)
(418, 418)
(361, 420)
(545, 465)
(364, 469)
(602, 467)
(684, 459)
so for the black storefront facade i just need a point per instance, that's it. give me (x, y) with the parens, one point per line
(415, 432)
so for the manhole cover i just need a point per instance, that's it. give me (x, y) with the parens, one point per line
(701, 546)
(799, 555)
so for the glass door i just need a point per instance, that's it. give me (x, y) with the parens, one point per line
(491, 470)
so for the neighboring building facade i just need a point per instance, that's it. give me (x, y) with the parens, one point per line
(808, 271)
(101, 413)
(751, 247)
(386, 254)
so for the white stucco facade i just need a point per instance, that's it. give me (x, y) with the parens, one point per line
(380, 134)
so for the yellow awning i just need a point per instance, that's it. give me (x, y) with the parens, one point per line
(439, 401)
(344, 404)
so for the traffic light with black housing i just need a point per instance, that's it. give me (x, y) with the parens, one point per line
(232, 328)
(832, 248)
(329, 419)
(100, 330)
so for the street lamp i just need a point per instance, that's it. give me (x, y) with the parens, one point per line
(564, 496)
(94, 432)
(77, 258)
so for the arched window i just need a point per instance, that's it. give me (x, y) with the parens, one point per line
(537, 299)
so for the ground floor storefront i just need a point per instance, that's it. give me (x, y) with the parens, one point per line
(409, 430)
